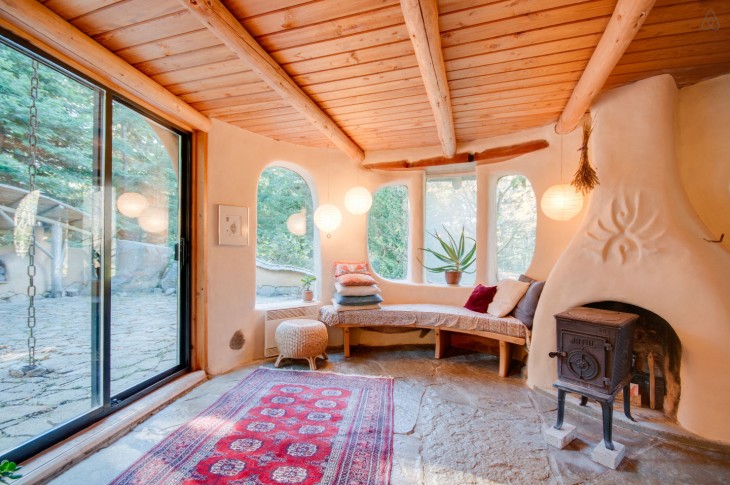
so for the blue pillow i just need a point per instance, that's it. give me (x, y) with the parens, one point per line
(357, 300)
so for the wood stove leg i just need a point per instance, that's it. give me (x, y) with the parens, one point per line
(561, 409)
(504, 358)
(583, 400)
(627, 403)
(607, 408)
(346, 343)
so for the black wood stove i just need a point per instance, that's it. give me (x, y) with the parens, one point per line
(594, 360)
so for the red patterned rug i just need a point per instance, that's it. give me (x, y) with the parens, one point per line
(292, 427)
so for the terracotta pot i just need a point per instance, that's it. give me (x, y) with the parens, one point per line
(307, 295)
(452, 277)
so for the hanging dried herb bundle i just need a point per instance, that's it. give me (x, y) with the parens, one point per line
(585, 178)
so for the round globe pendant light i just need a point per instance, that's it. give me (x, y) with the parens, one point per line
(297, 223)
(327, 217)
(154, 220)
(561, 202)
(358, 200)
(132, 204)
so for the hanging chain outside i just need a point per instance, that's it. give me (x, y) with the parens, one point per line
(32, 171)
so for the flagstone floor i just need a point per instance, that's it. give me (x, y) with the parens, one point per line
(456, 422)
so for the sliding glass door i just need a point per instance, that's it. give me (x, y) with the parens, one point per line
(93, 282)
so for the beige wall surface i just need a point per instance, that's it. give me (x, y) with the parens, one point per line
(237, 158)
(703, 149)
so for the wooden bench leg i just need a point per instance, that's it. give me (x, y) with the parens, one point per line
(346, 336)
(504, 357)
(442, 343)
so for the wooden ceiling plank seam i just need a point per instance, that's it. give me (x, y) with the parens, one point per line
(367, 98)
(186, 60)
(521, 78)
(221, 22)
(213, 82)
(34, 21)
(378, 18)
(499, 87)
(521, 68)
(253, 8)
(201, 72)
(69, 10)
(356, 70)
(422, 21)
(623, 26)
(395, 114)
(563, 17)
(402, 101)
(416, 83)
(374, 80)
(252, 115)
(254, 98)
(148, 31)
(123, 14)
(301, 15)
(166, 46)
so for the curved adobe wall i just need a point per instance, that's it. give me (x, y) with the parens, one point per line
(641, 243)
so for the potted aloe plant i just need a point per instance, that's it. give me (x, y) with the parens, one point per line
(457, 258)
(8, 471)
(307, 293)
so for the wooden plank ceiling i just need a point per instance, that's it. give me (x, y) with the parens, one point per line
(510, 65)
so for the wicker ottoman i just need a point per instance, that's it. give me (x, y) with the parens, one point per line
(301, 339)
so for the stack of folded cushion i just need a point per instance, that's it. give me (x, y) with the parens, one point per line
(355, 288)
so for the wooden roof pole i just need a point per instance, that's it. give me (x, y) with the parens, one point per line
(29, 18)
(627, 19)
(221, 22)
(422, 21)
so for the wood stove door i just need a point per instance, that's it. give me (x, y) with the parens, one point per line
(585, 359)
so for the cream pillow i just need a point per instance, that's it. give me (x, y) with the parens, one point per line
(509, 293)
(357, 290)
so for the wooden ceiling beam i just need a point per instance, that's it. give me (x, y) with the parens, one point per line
(627, 19)
(422, 21)
(491, 155)
(221, 22)
(43, 28)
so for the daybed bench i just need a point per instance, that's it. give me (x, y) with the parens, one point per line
(443, 319)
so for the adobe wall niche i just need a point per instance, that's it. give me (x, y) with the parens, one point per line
(641, 243)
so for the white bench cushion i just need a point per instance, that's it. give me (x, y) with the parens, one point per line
(425, 315)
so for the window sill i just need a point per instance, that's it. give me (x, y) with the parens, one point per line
(280, 305)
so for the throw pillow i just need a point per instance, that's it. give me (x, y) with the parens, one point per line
(480, 298)
(357, 290)
(508, 294)
(357, 300)
(355, 279)
(525, 309)
(347, 268)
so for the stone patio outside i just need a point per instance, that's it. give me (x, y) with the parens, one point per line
(144, 343)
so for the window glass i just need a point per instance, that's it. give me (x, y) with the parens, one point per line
(516, 223)
(284, 235)
(388, 232)
(450, 205)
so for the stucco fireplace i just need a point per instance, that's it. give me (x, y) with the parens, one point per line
(641, 243)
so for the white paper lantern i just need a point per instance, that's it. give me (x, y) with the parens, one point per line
(132, 204)
(358, 200)
(154, 220)
(561, 202)
(297, 223)
(327, 217)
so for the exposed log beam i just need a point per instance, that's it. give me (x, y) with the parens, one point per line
(422, 21)
(39, 25)
(221, 22)
(501, 154)
(627, 19)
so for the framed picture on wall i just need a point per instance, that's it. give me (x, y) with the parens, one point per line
(232, 225)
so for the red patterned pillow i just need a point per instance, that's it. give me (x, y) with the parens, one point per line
(480, 298)
(348, 268)
(355, 279)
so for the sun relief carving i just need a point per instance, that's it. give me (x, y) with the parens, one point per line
(628, 232)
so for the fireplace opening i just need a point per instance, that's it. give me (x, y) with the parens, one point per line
(654, 341)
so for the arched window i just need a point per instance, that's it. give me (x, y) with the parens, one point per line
(388, 232)
(516, 223)
(284, 236)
